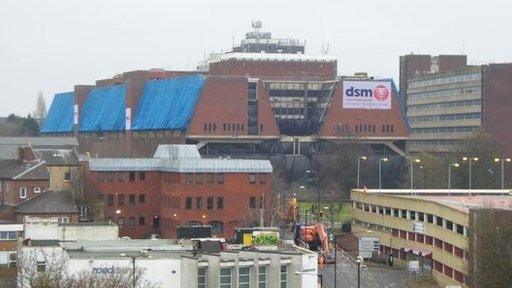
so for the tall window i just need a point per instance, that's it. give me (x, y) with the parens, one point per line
(220, 202)
(120, 176)
(244, 277)
(263, 178)
(209, 178)
(262, 277)
(23, 192)
(209, 203)
(67, 176)
(142, 176)
(188, 203)
(252, 178)
(131, 200)
(110, 199)
(131, 222)
(188, 179)
(120, 200)
(120, 222)
(132, 176)
(199, 203)
(252, 202)
(225, 277)
(199, 178)
(142, 198)
(283, 278)
(201, 277)
(220, 178)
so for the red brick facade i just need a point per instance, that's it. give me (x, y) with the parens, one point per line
(11, 190)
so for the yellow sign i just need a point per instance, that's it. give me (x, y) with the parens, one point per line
(247, 239)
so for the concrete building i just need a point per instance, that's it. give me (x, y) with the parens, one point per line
(177, 187)
(452, 100)
(426, 229)
(9, 233)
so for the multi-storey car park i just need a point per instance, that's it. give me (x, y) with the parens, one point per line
(267, 96)
(435, 229)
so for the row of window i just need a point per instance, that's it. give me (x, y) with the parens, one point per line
(445, 117)
(444, 129)
(8, 235)
(121, 199)
(446, 93)
(8, 259)
(476, 102)
(120, 176)
(412, 215)
(199, 203)
(244, 277)
(445, 80)
(131, 222)
(432, 142)
(225, 126)
(294, 86)
(24, 192)
(365, 128)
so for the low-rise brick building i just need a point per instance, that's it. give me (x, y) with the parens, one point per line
(177, 187)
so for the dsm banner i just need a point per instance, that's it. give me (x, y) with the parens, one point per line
(366, 95)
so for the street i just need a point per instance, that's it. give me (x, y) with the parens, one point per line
(371, 277)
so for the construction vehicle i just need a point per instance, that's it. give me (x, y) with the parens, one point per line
(314, 237)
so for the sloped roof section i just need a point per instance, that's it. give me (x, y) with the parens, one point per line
(60, 115)
(177, 152)
(104, 110)
(21, 170)
(48, 202)
(168, 103)
(58, 157)
(40, 142)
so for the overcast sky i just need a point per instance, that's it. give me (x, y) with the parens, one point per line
(50, 46)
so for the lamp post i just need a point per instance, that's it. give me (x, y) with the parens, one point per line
(317, 183)
(450, 175)
(313, 274)
(502, 160)
(470, 160)
(417, 160)
(336, 260)
(380, 171)
(359, 261)
(134, 257)
(359, 168)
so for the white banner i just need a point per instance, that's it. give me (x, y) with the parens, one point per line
(418, 227)
(366, 95)
(75, 114)
(128, 119)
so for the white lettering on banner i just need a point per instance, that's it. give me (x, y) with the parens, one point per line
(367, 95)
(75, 114)
(128, 119)
(418, 227)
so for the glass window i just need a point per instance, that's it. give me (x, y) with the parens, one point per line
(209, 203)
(262, 277)
(132, 176)
(131, 200)
(188, 179)
(110, 200)
(120, 200)
(63, 220)
(199, 202)
(110, 176)
(225, 277)
(252, 202)
(120, 176)
(188, 203)
(142, 221)
(199, 179)
(263, 178)
(131, 222)
(283, 279)
(23, 192)
(120, 222)
(142, 198)
(220, 178)
(67, 176)
(201, 277)
(244, 277)
(252, 178)
(209, 178)
(220, 202)
(142, 176)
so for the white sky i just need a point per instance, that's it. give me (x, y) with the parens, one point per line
(50, 45)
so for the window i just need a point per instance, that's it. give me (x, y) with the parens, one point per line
(131, 200)
(188, 179)
(201, 277)
(252, 202)
(100, 177)
(220, 202)
(142, 198)
(396, 212)
(41, 266)
(110, 177)
(244, 277)
(283, 278)
(404, 214)
(188, 203)
(12, 260)
(225, 277)
(252, 178)
(110, 200)
(199, 203)
(421, 216)
(209, 178)
(460, 229)
(132, 176)
(23, 192)
(63, 220)
(120, 222)
(142, 176)
(67, 176)
(263, 178)
(8, 235)
(120, 176)
(220, 178)
(439, 221)
(430, 218)
(262, 202)
(120, 200)
(262, 277)
(209, 203)
(37, 190)
(449, 225)
(131, 222)
(199, 179)
(413, 215)
(142, 221)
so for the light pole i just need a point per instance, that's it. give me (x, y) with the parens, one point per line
(502, 160)
(336, 260)
(380, 172)
(313, 274)
(359, 261)
(450, 175)
(317, 183)
(134, 257)
(359, 168)
(417, 160)
(470, 160)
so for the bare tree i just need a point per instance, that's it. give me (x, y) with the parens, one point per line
(40, 111)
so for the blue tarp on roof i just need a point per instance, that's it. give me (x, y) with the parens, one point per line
(60, 115)
(104, 110)
(168, 104)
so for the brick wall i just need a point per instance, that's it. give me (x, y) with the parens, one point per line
(11, 189)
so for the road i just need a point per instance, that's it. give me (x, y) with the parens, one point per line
(371, 277)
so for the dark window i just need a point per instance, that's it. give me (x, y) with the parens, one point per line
(449, 225)
(120, 176)
(142, 176)
(460, 229)
(209, 203)
(142, 221)
(396, 212)
(430, 218)
(252, 202)
(262, 202)
(421, 216)
(120, 200)
(220, 178)
(110, 177)
(214, 127)
(132, 176)
(131, 222)
(224, 126)
(252, 178)
(413, 215)
(110, 200)
(67, 176)
(404, 213)
(220, 202)
(439, 221)
(188, 203)
(188, 179)
(204, 128)
(199, 202)
(131, 200)
(142, 198)
(388, 211)
(120, 222)
(199, 179)
(263, 178)
(209, 178)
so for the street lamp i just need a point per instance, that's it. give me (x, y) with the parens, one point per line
(313, 274)
(470, 160)
(380, 171)
(317, 183)
(118, 211)
(417, 160)
(134, 257)
(502, 160)
(359, 167)
(450, 175)
(359, 261)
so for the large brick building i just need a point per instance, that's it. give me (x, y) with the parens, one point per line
(265, 97)
(177, 187)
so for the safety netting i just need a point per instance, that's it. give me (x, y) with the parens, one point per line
(60, 116)
(168, 104)
(104, 110)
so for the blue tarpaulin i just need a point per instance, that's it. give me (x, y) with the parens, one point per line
(168, 104)
(104, 110)
(60, 115)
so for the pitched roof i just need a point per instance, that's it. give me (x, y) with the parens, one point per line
(40, 142)
(48, 202)
(22, 170)
(8, 151)
(58, 157)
